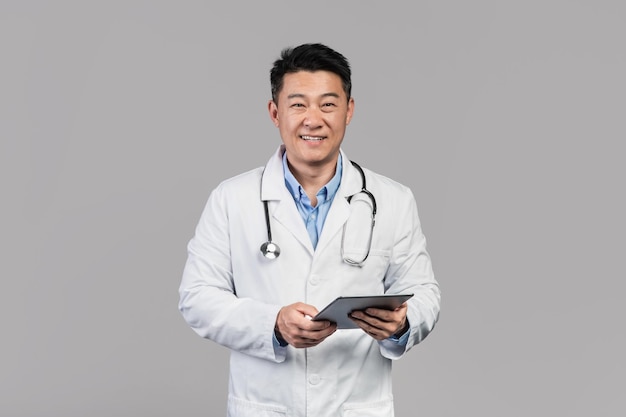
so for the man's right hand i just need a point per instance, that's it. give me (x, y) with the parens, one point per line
(294, 326)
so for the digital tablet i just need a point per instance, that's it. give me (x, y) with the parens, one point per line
(337, 311)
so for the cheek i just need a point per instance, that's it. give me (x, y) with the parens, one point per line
(291, 123)
(285, 126)
(340, 121)
(287, 129)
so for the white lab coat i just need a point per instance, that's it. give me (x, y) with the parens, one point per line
(230, 293)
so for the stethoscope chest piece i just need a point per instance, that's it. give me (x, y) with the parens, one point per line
(270, 250)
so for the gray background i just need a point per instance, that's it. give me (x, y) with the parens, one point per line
(505, 118)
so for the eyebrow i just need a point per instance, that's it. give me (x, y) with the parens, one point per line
(300, 95)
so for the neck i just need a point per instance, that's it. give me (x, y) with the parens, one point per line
(313, 178)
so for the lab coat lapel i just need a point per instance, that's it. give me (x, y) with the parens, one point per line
(281, 204)
(287, 214)
(340, 209)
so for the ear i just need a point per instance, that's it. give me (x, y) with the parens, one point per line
(273, 110)
(350, 111)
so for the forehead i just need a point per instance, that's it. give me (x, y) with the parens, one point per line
(312, 83)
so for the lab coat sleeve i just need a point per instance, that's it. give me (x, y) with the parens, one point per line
(410, 271)
(208, 299)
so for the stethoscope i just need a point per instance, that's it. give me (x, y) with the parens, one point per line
(271, 250)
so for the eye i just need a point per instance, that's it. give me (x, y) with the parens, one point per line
(297, 105)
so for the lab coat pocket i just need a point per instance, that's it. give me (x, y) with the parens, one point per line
(369, 277)
(238, 407)
(375, 409)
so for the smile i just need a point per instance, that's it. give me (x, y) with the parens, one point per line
(312, 138)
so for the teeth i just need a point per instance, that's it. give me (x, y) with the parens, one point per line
(312, 137)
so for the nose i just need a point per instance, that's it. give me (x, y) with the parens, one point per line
(313, 118)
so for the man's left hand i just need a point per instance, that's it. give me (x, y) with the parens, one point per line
(381, 324)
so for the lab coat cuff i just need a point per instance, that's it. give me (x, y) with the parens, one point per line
(280, 349)
(280, 352)
(278, 342)
(391, 349)
(402, 340)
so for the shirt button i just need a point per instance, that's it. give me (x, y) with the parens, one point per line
(314, 379)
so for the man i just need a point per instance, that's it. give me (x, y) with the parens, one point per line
(308, 206)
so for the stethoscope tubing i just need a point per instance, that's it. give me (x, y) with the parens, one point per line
(271, 250)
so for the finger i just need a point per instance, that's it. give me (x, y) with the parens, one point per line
(306, 309)
(365, 326)
(314, 325)
(306, 338)
(369, 319)
(377, 336)
(378, 333)
(318, 334)
(304, 342)
(375, 333)
(386, 315)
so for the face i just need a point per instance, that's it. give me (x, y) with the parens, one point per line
(312, 114)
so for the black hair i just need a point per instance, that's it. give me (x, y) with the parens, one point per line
(310, 57)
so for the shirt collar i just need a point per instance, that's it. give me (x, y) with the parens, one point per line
(326, 193)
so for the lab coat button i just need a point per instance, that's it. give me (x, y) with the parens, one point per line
(314, 379)
(313, 280)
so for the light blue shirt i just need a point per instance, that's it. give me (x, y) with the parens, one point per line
(313, 217)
